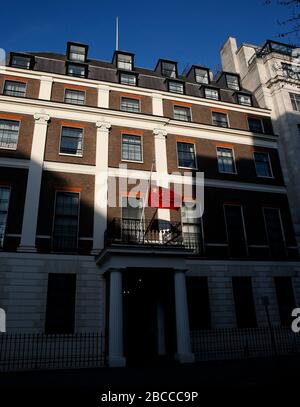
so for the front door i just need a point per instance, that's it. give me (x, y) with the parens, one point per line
(149, 316)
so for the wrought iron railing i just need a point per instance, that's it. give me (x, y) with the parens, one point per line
(41, 351)
(147, 232)
(234, 343)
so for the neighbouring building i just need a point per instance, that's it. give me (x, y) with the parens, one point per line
(69, 262)
(272, 73)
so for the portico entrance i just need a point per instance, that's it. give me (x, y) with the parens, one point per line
(149, 323)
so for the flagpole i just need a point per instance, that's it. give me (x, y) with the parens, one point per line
(117, 33)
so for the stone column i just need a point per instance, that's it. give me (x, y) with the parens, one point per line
(184, 353)
(161, 165)
(35, 171)
(101, 186)
(45, 87)
(115, 331)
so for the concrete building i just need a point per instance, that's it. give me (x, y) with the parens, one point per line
(272, 73)
(70, 262)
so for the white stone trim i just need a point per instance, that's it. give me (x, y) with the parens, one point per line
(137, 90)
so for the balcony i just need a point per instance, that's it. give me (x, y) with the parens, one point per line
(278, 47)
(157, 233)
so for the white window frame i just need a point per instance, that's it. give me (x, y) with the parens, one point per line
(233, 158)
(54, 212)
(68, 154)
(184, 107)
(12, 148)
(142, 148)
(215, 125)
(75, 90)
(130, 98)
(9, 80)
(270, 164)
(292, 96)
(195, 155)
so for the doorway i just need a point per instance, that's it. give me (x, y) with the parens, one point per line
(149, 316)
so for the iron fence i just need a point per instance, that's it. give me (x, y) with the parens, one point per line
(233, 343)
(60, 351)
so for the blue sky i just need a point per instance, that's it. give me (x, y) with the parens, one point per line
(190, 32)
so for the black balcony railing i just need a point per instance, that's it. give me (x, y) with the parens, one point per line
(147, 232)
(278, 47)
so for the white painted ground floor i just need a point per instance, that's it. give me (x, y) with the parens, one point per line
(144, 302)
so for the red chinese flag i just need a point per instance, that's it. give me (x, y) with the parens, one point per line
(164, 198)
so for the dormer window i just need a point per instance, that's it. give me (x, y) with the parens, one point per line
(168, 69)
(244, 99)
(211, 93)
(128, 78)
(21, 61)
(77, 52)
(124, 61)
(202, 76)
(232, 82)
(79, 70)
(176, 87)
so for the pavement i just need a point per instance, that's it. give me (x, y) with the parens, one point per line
(248, 377)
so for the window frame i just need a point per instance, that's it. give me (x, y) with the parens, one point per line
(128, 73)
(293, 96)
(261, 121)
(215, 125)
(202, 69)
(19, 82)
(269, 161)
(238, 80)
(238, 94)
(82, 65)
(75, 90)
(131, 111)
(70, 44)
(195, 155)
(141, 145)
(183, 107)
(211, 88)
(16, 147)
(118, 54)
(165, 61)
(281, 226)
(17, 54)
(244, 227)
(8, 205)
(82, 141)
(233, 159)
(54, 213)
(177, 82)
